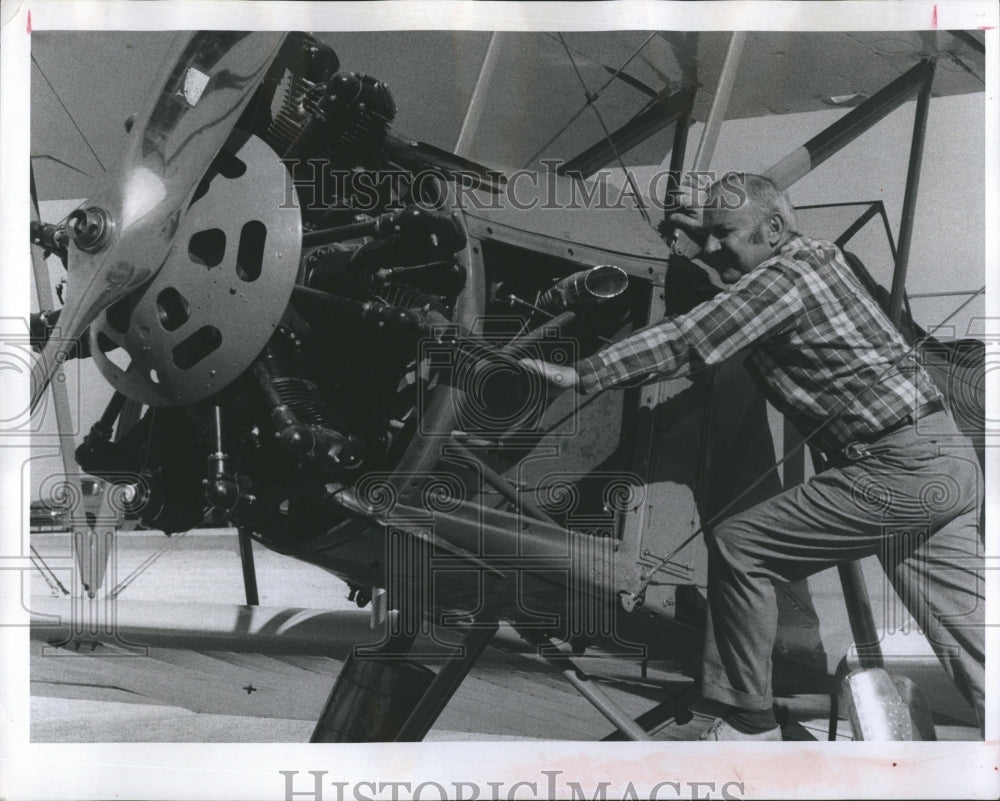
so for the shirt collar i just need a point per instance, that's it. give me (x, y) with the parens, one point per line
(793, 245)
(797, 242)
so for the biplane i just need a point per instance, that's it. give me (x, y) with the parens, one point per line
(309, 320)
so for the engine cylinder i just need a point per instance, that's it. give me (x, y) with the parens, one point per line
(283, 362)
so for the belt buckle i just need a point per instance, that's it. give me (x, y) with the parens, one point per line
(856, 450)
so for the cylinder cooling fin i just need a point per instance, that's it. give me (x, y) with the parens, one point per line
(344, 115)
(302, 64)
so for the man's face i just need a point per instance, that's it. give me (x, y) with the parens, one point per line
(737, 241)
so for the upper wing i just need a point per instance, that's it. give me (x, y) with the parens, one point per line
(85, 85)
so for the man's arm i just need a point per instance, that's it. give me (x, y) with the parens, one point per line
(759, 305)
(562, 375)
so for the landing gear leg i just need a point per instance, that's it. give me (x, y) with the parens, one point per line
(249, 569)
(446, 682)
(384, 697)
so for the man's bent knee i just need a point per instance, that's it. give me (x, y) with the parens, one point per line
(729, 536)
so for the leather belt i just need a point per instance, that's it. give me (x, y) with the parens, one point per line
(856, 449)
(931, 407)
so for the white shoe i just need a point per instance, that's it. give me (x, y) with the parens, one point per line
(720, 730)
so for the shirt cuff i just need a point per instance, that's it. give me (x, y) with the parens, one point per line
(590, 372)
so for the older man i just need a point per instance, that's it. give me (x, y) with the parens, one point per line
(902, 481)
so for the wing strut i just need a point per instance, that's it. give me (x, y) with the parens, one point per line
(674, 709)
(845, 130)
(90, 548)
(477, 102)
(918, 80)
(720, 103)
(702, 160)
(557, 655)
(910, 194)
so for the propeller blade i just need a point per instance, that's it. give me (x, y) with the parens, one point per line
(126, 229)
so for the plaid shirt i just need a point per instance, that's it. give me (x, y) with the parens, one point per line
(823, 351)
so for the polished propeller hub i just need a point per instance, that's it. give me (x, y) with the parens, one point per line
(121, 239)
(90, 229)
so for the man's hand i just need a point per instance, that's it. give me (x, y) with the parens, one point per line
(684, 209)
(561, 375)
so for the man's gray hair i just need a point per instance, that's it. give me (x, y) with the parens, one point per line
(761, 192)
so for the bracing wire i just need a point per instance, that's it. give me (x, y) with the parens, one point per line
(70, 116)
(641, 206)
(590, 99)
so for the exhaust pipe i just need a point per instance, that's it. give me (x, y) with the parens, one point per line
(587, 286)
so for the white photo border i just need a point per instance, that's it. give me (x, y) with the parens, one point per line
(255, 771)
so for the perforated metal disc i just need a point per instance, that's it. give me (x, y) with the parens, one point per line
(220, 293)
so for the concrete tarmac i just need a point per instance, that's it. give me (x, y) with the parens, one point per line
(170, 694)
(177, 695)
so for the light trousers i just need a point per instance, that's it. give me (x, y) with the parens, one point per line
(914, 502)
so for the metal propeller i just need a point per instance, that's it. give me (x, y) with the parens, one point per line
(126, 229)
